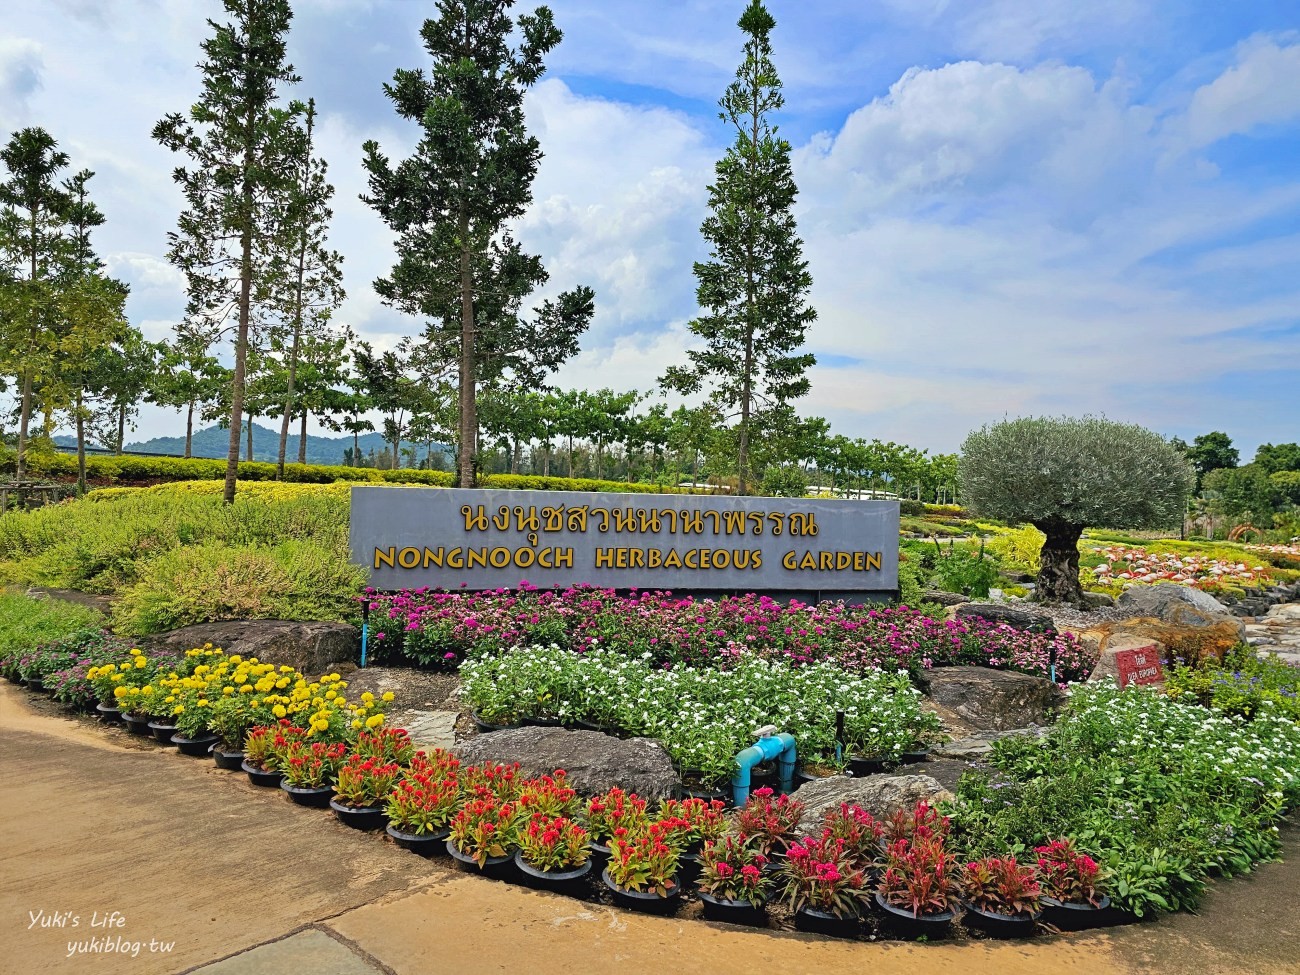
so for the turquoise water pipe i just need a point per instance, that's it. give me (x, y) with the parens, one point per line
(769, 745)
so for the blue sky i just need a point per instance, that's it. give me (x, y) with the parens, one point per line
(1008, 207)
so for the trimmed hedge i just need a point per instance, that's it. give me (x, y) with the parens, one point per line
(134, 470)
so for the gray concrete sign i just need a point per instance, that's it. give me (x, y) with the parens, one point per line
(487, 539)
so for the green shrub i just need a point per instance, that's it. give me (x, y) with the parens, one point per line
(1018, 549)
(1240, 685)
(26, 623)
(964, 571)
(294, 580)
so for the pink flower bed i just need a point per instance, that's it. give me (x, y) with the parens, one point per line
(445, 627)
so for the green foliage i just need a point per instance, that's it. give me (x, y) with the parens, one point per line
(1018, 549)
(294, 580)
(27, 623)
(1211, 452)
(1239, 685)
(1161, 793)
(1074, 471)
(966, 571)
(753, 289)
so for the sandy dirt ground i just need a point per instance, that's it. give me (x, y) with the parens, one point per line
(207, 873)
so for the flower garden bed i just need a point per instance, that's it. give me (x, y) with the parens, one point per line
(1131, 795)
(433, 628)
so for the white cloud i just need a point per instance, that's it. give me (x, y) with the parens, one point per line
(1262, 88)
(21, 67)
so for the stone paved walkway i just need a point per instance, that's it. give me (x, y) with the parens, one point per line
(1277, 633)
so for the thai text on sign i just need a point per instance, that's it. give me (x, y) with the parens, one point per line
(410, 537)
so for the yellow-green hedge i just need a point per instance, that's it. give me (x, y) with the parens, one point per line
(129, 470)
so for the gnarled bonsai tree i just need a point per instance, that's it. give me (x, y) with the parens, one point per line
(1063, 475)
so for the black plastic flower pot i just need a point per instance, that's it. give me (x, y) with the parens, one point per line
(733, 912)
(589, 726)
(489, 726)
(538, 722)
(572, 882)
(1077, 917)
(905, 924)
(359, 817)
(824, 922)
(688, 869)
(108, 713)
(997, 925)
(494, 868)
(230, 761)
(194, 747)
(646, 902)
(423, 844)
(315, 796)
(163, 732)
(913, 756)
(261, 777)
(599, 856)
(137, 724)
(866, 765)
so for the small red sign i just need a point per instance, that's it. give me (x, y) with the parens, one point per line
(1139, 665)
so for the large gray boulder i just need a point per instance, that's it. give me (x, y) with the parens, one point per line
(312, 648)
(594, 762)
(1167, 600)
(1012, 616)
(880, 795)
(1181, 605)
(992, 699)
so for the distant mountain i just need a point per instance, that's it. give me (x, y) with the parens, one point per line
(214, 442)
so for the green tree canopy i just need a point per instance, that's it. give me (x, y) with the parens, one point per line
(1065, 474)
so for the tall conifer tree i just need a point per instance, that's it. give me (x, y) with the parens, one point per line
(241, 146)
(753, 290)
(450, 202)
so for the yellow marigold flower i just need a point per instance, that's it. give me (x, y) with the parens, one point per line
(135, 651)
(179, 709)
(246, 689)
(119, 692)
(279, 711)
(203, 702)
(374, 721)
(388, 695)
(282, 683)
(367, 698)
(356, 725)
(227, 690)
(140, 663)
(331, 695)
(235, 658)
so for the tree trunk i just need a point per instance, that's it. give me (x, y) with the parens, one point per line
(570, 458)
(250, 437)
(189, 430)
(245, 312)
(1058, 566)
(356, 447)
(121, 429)
(81, 448)
(546, 461)
(302, 439)
(26, 411)
(468, 414)
(516, 456)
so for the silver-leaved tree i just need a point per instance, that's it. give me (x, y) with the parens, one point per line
(1063, 475)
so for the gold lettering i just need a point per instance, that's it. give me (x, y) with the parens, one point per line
(564, 558)
(722, 559)
(544, 558)
(654, 558)
(790, 560)
(499, 558)
(386, 558)
(692, 559)
(692, 522)
(604, 558)
(412, 561)
(432, 558)
(475, 517)
(672, 560)
(843, 560)
(638, 558)
(826, 560)
(620, 558)
(456, 559)
(873, 560)
(502, 518)
(758, 558)
(859, 561)
(478, 558)
(809, 561)
(519, 558)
